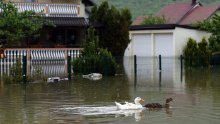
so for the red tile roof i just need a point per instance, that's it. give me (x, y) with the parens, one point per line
(200, 13)
(174, 12)
(138, 20)
(183, 13)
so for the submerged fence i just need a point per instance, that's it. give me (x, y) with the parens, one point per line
(157, 70)
(53, 62)
(42, 58)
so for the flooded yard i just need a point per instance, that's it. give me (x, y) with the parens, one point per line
(82, 101)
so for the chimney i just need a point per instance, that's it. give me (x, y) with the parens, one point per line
(194, 2)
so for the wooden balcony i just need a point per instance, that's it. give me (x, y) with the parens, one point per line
(51, 9)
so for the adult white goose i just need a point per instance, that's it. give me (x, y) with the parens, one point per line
(127, 105)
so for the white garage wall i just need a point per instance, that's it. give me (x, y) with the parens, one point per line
(182, 35)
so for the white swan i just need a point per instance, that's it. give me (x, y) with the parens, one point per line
(127, 105)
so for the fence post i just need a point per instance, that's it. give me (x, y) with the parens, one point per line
(181, 62)
(135, 66)
(24, 69)
(160, 67)
(181, 68)
(69, 67)
(135, 71)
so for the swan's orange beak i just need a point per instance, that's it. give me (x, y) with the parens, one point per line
(142, 100)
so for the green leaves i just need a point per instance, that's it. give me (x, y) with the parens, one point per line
(114, 27)
(93, 58)
(16, 26)
(150, 20)
(212, 25)
(196, 54)
(91, 43)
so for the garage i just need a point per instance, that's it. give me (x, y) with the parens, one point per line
(167, 40)
(163, 44)
(160, 44)
(142, 45)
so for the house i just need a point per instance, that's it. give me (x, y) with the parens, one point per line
(54, 43)
(169, 39)
(69, 16)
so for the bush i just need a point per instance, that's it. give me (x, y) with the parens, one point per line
(16, 73)
(37, 75)
(203, 53)
(190, 53)
(94, 59)
(102, 63)
(196, 55)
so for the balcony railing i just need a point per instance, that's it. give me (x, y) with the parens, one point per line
(61, 10)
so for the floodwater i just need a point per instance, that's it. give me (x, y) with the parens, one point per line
(82, 101)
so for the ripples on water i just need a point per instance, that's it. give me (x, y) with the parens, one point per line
(197, 100)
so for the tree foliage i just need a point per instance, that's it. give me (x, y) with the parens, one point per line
(150, 20)
(114, 29)
(196, 54)
(212, 25)
(93, 58)
(15, 26)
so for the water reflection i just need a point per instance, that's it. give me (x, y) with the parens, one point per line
(103, 110)
(196, 95)
(148, 72)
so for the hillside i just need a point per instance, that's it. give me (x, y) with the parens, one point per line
(146, 7)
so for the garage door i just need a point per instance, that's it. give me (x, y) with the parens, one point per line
(142, 45)
(163, 45)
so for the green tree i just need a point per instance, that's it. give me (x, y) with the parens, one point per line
(16, 26)
(203, 53)
(212, 25)
(150, 20)
(196, 54)
(93, 58)
(190, 53)
(114, 27)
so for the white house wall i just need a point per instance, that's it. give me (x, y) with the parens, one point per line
(182, 35)
(82, 10)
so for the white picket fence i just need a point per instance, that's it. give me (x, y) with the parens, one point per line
(54, 58)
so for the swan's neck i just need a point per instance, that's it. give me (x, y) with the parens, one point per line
(137, 103)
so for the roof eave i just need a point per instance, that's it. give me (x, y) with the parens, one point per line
(159, 27)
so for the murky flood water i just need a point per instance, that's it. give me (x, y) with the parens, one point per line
(196, 94)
